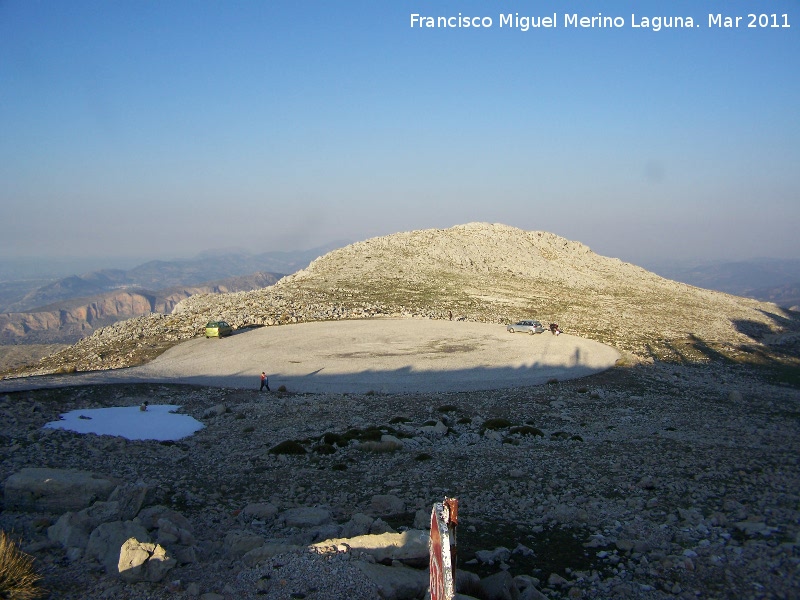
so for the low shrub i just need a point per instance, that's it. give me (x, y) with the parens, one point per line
(18, 579)
(324, 449)
(526, 430)
(498, 423)
(288, 447)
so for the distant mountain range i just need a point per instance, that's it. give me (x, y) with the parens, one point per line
(766, 279)
(66, 309)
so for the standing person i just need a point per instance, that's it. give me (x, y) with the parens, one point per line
(264, 382)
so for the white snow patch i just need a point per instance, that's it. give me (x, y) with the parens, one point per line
(158, 422)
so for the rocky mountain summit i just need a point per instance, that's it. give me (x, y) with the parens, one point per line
(478, 272)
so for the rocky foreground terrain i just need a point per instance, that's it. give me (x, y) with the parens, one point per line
(673, 475)
(654, 481)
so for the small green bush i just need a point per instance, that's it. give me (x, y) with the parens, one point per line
(498, 423)
(248, 429)
(447, 408)
(324, 449)
(18, 579)
(395, 420)
(464, 421)
(423, 456)
(526, 430)
(288, 447)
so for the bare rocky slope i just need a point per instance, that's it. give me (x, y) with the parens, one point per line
(479, 272)
(70, 320)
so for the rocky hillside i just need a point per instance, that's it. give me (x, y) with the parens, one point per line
(68, 321)
(479, 272)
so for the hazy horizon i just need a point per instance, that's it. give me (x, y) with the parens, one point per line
(161, 130)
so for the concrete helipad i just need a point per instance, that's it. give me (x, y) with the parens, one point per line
(380, 355)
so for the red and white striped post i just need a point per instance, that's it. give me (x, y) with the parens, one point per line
(442, 549)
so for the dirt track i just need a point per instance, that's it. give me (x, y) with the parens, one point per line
(380, 355)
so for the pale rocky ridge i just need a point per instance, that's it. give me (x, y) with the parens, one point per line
(481, 272)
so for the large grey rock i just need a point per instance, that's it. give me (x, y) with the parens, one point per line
(396, 582)
(408, 545)
(499, 586)
(143, 561)
(387, 504)
(106, 541)
(304, 517)
(359, 524)
(238, 543)
(130, 497)
(261, 511)
(55, 490)
(71, 530)
(151, 516)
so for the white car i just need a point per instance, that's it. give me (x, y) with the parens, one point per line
(526, 326)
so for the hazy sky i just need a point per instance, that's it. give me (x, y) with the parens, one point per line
(161, 129)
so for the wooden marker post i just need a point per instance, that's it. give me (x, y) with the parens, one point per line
(442, 549)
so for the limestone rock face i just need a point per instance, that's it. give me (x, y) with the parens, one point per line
(55, 490)
(143, 561)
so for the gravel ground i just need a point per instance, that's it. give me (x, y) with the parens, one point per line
(380, 355)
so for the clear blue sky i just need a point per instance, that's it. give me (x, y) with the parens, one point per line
(161, 129)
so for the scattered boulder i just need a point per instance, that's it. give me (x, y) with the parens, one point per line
(106, 541)
(395, 582)
(387, 504)
(304, 517)
(260, 511)
(143, 561)
(359, 524)
(215, 411)
(130, 497)
(499, 586)
(238, 543)
(55, 490)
